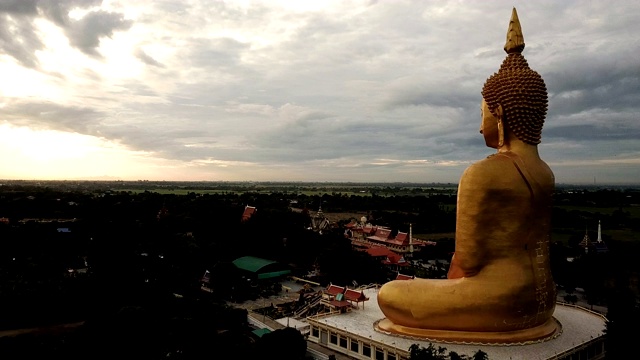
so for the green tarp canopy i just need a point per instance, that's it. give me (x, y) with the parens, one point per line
(263, 268)
(260, 332)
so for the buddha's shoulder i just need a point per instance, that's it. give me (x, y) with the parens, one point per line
(491, 162)
(492, 168)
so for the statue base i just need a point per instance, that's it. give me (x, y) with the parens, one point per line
(547, 331)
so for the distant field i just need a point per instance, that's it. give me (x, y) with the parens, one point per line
(623, 234)
(180, 191)
(213, 191)
(302, 191)
(634, 211)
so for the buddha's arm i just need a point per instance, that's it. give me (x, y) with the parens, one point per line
(486, 189)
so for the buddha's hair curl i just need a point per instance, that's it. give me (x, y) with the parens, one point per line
(523, 96)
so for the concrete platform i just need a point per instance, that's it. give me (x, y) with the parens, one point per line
(582, 331)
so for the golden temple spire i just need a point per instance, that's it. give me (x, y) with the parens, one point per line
(515, 39)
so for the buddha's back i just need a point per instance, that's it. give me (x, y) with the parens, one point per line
(499, 287)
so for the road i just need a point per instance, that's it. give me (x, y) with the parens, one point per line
(42, 329)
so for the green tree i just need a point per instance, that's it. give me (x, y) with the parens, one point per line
(417, 352)
(285, 344)
(623, 314)
(431, 352)
(480, 355)
(455, 356)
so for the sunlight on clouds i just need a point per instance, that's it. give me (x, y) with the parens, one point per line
(443, 163)
(51, 154)
(48, 145)
(218, 163)
(69, 73)
(121, 63)
(18, 81)
(60, 57)
(295, 6)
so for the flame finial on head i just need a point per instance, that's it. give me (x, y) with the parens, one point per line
(515, 39)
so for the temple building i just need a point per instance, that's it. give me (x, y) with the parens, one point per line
(597, 246)
(343, 299)
(586, 242)
(248, 212)
(319, 222)
(364, 234)
(387, 257)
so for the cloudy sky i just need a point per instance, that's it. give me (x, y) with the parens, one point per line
(305, 90)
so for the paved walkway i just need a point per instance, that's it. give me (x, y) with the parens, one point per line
(283, 297)
(582, 302)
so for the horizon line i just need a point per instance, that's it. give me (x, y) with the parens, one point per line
(590, 184)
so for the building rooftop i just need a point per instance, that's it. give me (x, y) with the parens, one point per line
(579, 326)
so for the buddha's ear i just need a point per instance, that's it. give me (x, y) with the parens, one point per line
(498, 112)
(500, 133)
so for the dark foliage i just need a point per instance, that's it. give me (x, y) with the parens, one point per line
(146, 253)
(431, 352)
(283, 344)
(623, 317)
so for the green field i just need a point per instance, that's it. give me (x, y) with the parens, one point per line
(634, 211)
(303, 190)
(179, 191)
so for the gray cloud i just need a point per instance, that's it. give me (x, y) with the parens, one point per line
(19, 39)
(47, 115)
(144, 57)
(594, 133)
(85, 33)
(380, 90)
(19, 7)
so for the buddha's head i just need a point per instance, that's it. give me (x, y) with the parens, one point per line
(516, 95)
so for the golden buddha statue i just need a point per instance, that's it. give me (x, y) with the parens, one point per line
(499, 287)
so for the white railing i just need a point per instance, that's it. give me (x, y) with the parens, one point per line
(308, 306)
(317, 354)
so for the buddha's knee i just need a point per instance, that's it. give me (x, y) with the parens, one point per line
(394, 300)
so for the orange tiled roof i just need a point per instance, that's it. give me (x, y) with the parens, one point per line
(248, 211)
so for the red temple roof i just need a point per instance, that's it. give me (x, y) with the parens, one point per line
(369, 229)
(334, 290)
(402, 238)
(377, 251)
(404, 277)
(339, 304)
(351, 225)
(381, 234)
(391, 258)
(353, 295)
(248, 211)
